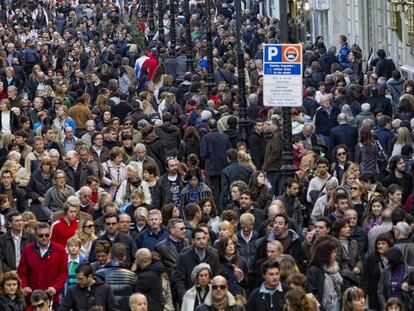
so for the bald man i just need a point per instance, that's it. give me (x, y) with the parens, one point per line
(149, 279)
(219, 295)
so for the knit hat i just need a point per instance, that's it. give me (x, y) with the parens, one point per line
(197, 269)
(206, 115)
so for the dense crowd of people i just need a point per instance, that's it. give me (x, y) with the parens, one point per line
(125, 183)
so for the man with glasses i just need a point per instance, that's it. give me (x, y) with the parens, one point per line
(40, 301)
(220, 297)
(170, 248)
(98, 150)
(112, 235)
(90, 161)
(44, 264)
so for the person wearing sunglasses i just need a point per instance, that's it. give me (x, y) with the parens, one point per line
(44, 265)
(220, 298)
(40, 301)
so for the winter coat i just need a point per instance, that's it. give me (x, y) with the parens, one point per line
(53, 201)
(121, 281)
(186, 148)
(406, 247)
(185, 265)
(232, 172)
(38, 185)
(111, 172)
(8, 304)
(155, 150)
(214, 146)
(162, 194)
(273, 154)
(293, 208)
(367, 158)
(190, 298)
(257, 148)
(170, 138)
(262, 299)
(203, 191)
(324, 122)
(7, 250)
(371, 273)
(169, 254)
(149, 283)
(80, 299)
(208, 304)
(148, 239)
(384, 289)
(234, 286)
(38, 272)
(123, 194)
(247, 250)
(14, 122)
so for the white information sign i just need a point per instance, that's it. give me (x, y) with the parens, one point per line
(282, 75)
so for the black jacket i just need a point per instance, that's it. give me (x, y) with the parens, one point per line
(121, 238)
(162, 194)
(324, 122)
(370, 278)
(257, 147)
(7, 252)
(316, 281)
(185, 265)
(7, 304)
(261, 300)
(169, 254)
(19, 198)
(121, 281)
(170, 138)
(38, 186)
(155, 150)
(81, 299)
(149, 283)
(76, 179)
(232, 172)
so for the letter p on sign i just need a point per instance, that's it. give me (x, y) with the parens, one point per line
(273, 51)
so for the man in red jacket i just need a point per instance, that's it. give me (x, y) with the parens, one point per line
(44, 264)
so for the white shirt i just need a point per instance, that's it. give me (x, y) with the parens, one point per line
(17, 240)
(5, 122)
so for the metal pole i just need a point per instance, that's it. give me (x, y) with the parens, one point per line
(210, 68)
(151, 21)
(288, 170)
(172, 27)
(160, 22)
(243, 122)
(189, 53)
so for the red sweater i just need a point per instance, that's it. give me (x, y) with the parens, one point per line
(62, 231)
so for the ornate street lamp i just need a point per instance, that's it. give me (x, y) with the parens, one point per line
(243, 122)
(189, 53)
(210, 68)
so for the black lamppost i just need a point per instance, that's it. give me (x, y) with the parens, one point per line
(172, 27)
(288, 170)
(243, 122)
(151, 21)
(189, 53)
(210, 67)
(160, 22)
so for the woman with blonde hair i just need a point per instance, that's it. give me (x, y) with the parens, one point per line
(86, 234)
(102, 102)
(225, 229)
(353, 299)
(403, 138)
(244, 158)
